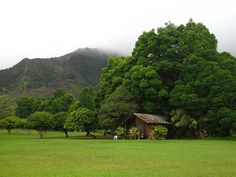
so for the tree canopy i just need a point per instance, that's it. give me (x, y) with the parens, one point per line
(59, 120)
(9, 123)
(119, 106)
(177, 68)
(40, 121)
(7, 107)
(61, 101)
(82, 119)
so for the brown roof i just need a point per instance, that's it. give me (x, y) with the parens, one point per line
(151, 119)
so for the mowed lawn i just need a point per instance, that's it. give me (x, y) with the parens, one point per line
(55, 156)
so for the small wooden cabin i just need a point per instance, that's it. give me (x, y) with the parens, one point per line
(145, 123)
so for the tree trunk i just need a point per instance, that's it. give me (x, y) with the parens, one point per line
(9, 131)
(40, 134)
(94, 137)
(66, 133)
(89, 134)
(105, 133)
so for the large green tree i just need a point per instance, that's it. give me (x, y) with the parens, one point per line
(118, 107)
(59, 120)
(9, 123)
(40, 121)
(82, 119)
(177, 68)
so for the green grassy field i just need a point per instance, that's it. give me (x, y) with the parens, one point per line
(55, 156)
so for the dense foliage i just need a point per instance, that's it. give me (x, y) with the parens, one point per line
(7, 107)
(60, 102)
(87, 98)
(120, 131)
(134, 132)
(59, 120)
(177, 68)
(119, 106)
(27, 105)
(159, 131)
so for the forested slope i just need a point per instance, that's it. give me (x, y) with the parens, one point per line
(42, 76)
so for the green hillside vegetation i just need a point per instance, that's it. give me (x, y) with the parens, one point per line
(43, 76)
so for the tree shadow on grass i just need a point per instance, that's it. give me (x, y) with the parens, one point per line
(79, 137)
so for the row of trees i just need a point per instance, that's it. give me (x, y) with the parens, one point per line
(64, 113)
(61, 112)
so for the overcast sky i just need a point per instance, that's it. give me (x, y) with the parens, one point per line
(48, 28)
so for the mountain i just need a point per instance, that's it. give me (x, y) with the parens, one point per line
(72, 72)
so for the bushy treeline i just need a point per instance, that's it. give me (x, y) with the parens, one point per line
(175, 71)
(62, 112)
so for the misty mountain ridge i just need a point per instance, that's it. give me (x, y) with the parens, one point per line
(71, 72)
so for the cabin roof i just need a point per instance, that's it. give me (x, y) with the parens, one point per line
(151, 118)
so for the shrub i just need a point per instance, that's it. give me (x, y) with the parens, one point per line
(21, 123)
(134, 132)
(120, 131)
(9, 123)
(159, 131)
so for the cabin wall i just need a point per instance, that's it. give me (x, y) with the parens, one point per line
(141, 125)
(149, 131)
(145, 129)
